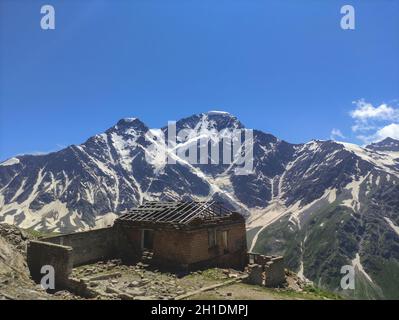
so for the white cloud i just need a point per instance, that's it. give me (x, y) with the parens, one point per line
(336, 133)
(375, 123)
(366, 111)
(363, 127)
(391, 130)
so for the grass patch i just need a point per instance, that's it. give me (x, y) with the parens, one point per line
(214, 274)
(318, 292)
(244, 291)
(309, 293)
(39, 234)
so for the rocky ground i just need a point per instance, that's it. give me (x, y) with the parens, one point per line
(113, 280)
(293, 289)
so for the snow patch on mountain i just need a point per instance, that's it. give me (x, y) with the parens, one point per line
(392, 225)
(10, 162)
(105, 220)
(357, 265)
(217, 112)
(129, 119)
(276, 210)
(123, 147)
(297, 210)
(354, 186)
(381, 160)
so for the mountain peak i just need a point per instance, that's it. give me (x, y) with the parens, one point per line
(388, 144)
(127, 121)
(217, 120)
(128, 124)
(389, 140)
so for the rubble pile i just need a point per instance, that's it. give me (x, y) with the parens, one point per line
(114, 280)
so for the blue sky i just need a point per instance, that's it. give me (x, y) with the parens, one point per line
(284, 66)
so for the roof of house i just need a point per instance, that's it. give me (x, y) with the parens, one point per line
(177, 212)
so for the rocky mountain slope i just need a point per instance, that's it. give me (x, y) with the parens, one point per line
(323, 204)
(338, 205)
(15, 282)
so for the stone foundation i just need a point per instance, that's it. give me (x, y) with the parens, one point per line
(270, 267)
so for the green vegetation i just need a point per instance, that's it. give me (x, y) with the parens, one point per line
(309, 293)
(318, 292)
(39, 234)
(243, 291)
(334, 234)
(214, 274)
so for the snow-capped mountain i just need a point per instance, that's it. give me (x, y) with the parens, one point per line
(387, 144)
(83, 185)
(337, 204)
(322, 204)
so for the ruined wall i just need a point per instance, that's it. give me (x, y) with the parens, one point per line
(129, 242)
(232, 256)
(172, 247)
(186, 248)
(271, 268)
(43, 253)
(190, 248)
(274, 272)
(89, 246)
(236, 253)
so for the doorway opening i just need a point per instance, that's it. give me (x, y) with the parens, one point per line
(147, 241)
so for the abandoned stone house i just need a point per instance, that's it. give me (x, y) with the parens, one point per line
(177, 235)
(185, 235)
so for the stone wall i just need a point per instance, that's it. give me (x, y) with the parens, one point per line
(172, 247)
(89, 246)
(41, 253)
(129, 242)
(188, 248)
(235, 255)
(272, 268)
(274, 272)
